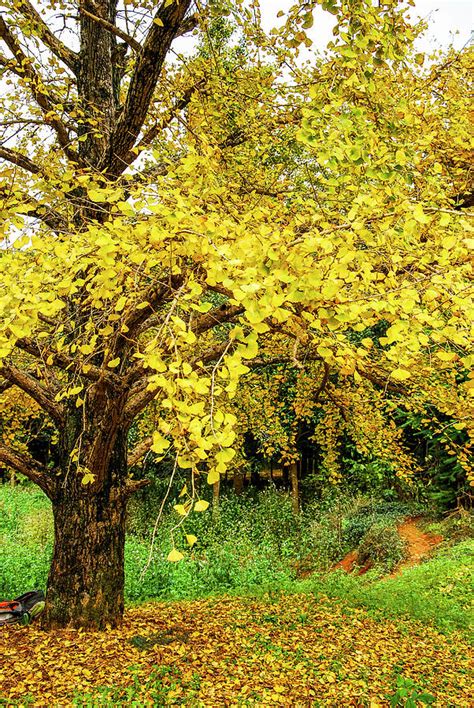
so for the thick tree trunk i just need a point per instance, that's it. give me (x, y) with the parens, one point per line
(86, 579)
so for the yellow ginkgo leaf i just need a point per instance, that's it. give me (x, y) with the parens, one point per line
(213, 477)
(201, 505)
(400, 374)
(191, 539)
(174, 556)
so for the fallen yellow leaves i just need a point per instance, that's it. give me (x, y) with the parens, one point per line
(292, 651)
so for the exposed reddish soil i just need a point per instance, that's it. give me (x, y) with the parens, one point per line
(348, 562)
(419, 545)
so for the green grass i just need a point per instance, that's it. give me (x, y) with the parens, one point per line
(255, 547)
(438, 591)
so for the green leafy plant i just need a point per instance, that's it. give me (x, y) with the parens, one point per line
(410, 695)
(381, 546)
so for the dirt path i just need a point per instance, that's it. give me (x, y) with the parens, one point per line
(419, 545)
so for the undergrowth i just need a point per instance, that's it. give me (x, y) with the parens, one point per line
(255, 545)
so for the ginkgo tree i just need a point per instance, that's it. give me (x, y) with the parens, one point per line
(170, 220)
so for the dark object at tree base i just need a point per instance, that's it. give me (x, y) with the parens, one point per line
(23, 609)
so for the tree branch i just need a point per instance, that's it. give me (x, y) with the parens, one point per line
(156, 129)
(155, 295)
(188, 25)
(385, 384)
(324, 382)
(137, 453)
(136, 46)
(38, 211)
(464, 201)
(5, 385)
(220, 315)
(138, 402)
(66, 363)
(133, 485)
(37, 88)
(66, 55)
(35, 390)
(164, 29)
(27, 465)
(11, 65)
(17, 158)
(212, 354)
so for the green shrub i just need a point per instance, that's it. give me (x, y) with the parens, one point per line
(381, 546)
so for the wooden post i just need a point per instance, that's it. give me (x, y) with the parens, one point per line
(295, 492)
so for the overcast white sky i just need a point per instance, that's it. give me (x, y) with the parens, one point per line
(451, 21)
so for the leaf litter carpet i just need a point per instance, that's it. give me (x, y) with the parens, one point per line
(296, 650)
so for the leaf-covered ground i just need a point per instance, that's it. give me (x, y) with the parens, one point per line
(297, 650)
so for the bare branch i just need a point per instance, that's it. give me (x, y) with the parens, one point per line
(66, 55)
(136, 46)
(33, 388)
(21, 121)
(27, 465)
(133, 485)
